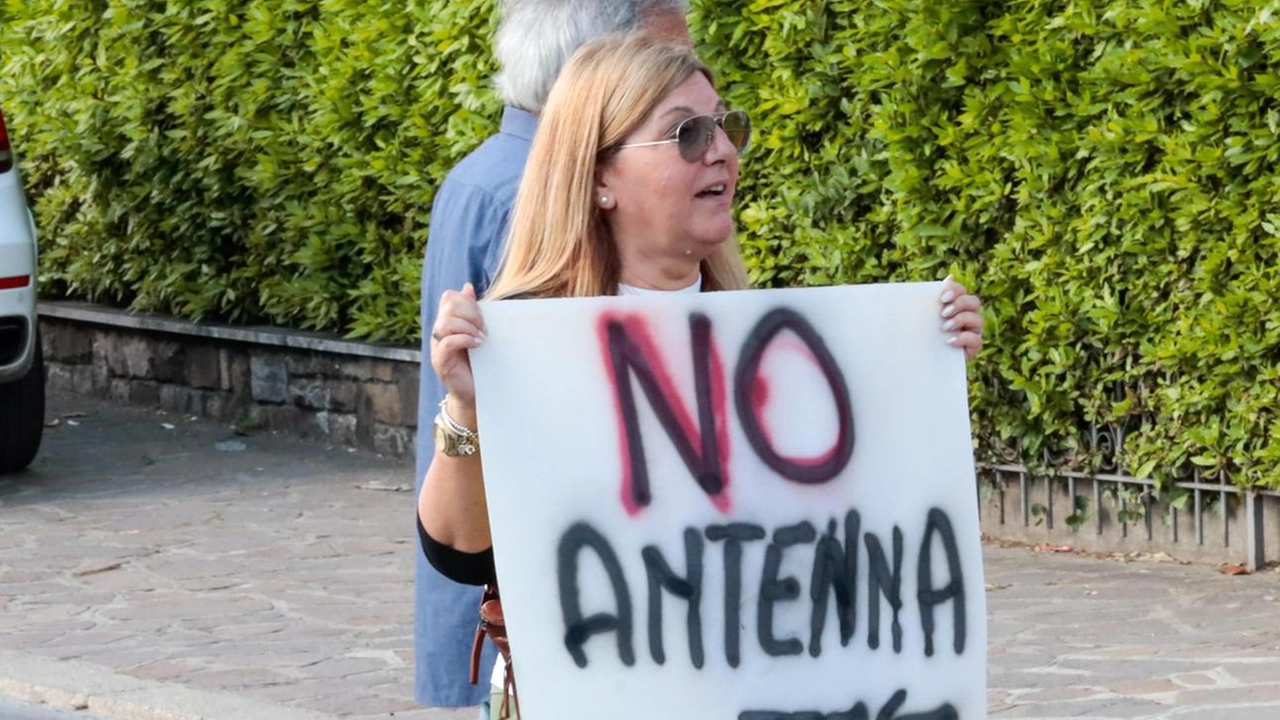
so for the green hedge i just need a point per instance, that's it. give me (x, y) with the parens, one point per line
(1103, 173)
(267, 159)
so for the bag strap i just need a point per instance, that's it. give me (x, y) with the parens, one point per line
(493, 625)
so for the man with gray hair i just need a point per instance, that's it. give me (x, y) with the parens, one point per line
(468, 225)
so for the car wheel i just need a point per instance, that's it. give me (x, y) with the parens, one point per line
(22, 416)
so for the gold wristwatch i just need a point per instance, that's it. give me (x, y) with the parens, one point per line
(452, 438)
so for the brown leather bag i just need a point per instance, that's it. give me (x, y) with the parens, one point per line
(493, 625)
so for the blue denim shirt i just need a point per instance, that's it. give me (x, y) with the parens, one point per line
(468, 225)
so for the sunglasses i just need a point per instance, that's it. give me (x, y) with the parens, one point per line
(695, 135)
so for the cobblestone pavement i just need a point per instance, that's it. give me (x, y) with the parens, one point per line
(144, 573)
(281, 572)
(1074, 636)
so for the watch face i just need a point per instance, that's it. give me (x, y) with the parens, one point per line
(442, 439)
(451, 443)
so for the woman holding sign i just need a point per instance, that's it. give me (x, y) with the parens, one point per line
(628, 190)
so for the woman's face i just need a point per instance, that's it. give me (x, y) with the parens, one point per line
(666, 212)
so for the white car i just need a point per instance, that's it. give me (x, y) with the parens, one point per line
(21, 361)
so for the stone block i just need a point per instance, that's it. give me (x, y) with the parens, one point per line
(269, 378)
(66, 342)
(393, 441)
(286, 418)
(214, 404)
(340, 428)
(118, 390)
(236, 374)
(58, 378)
(138, 355)
(344, 395)
(181, 399)
(82, 380)
(101, 374)
(203, 367)
(144, 358)
(364, 423)
(168, 361)
(311, 364)
(108, 350)
(311, 393)
(406, 379)
(366, 369)
(142, 392)
(386, 403)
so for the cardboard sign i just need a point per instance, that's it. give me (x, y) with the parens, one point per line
(734, 506)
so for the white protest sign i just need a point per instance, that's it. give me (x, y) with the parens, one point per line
(734, 506)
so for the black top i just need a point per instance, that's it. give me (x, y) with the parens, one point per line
(462, 567)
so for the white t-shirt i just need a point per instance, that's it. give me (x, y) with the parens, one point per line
(633, 290)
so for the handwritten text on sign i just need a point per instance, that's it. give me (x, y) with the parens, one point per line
(748, 506)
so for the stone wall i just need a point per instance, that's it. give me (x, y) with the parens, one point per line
(257, 379)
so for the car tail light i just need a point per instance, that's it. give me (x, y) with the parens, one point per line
(17, 281)
(6, 152)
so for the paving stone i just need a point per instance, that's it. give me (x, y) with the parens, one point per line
(166, 669)
(1263, 672)
(1148, 687)
(272, 575)
(1242, 694)
(236, 678)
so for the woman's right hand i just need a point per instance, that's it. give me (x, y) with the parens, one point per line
(457, 329)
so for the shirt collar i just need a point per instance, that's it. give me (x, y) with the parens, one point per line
(518, 122)
(624, 289)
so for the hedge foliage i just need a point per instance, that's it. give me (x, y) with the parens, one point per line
(1103, 173)
(259, 159)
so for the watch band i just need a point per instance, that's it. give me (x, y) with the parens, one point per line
(452, 438)
(454, 425)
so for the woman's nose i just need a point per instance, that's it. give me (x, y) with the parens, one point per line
(721, 147)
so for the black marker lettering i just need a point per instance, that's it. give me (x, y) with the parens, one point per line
(773, 588)
(688, 588)
(930, 597)
(835, 568)
(884, 582)
(581, 536)
(733, 535)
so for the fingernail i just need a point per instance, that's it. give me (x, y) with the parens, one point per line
(953, 339)
(948, 311)
(481, 337)
(947, 296)
(946, 326)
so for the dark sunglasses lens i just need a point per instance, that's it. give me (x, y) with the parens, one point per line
(738, 127)
(695, 136)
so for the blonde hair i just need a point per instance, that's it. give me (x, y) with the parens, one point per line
(559, 244)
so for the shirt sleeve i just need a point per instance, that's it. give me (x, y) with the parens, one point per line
(464, 244)
(461, 567)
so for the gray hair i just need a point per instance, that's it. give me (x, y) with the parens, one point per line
(537, 37)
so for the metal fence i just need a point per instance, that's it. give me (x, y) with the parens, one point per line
(1178, 517)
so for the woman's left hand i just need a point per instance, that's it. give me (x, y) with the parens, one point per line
(961, 318)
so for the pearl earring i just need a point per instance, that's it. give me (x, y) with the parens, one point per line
(604, 201)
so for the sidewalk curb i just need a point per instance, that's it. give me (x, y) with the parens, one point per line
(77, 685)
